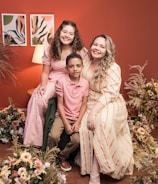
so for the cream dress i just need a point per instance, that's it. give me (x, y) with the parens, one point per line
(36, 109)
(111, 140)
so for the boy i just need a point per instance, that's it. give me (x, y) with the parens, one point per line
(72, 94)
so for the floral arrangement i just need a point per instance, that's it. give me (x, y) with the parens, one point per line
(142, 94)
(144, 145)
(142, 105)
(29, 165)
(12, 121)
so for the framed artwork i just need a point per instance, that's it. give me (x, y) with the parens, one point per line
(14, 29)
(41, 28)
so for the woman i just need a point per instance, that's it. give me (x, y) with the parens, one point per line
(106, 145)
(66, 40)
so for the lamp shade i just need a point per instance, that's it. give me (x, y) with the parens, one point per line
(37, 55)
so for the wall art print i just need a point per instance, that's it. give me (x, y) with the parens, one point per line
(14, 29)
(41, 28)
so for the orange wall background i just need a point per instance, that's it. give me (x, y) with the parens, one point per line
(132, 24)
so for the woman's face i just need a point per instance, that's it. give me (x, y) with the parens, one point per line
(98, 48)
(67, 35)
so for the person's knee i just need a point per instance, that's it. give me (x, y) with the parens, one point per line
(54, 139)
(76, 140)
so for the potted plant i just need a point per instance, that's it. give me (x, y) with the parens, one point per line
(6, 68)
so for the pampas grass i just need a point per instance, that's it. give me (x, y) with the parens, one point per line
(6, 68)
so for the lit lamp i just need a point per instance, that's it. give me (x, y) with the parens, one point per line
(37, 58)
(37, 55)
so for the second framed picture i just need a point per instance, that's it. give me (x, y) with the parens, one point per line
(41, 28)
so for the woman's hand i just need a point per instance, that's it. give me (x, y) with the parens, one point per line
(91, 121)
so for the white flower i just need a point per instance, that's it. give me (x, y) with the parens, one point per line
(156, 150)
(2, 129)
(150, 93)
(62, 178)
(26, 157)
(11, 132)
(47, 164)
(22, 171)
(20, 131)
(141, 131)
(4, 140)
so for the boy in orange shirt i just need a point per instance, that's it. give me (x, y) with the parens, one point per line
(72, 94)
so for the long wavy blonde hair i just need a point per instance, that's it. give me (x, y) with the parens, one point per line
(106, 61)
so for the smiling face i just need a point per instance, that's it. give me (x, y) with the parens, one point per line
(67, 35)
(74, 68)
(98, 48)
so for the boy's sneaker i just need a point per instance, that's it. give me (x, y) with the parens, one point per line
(65, 166)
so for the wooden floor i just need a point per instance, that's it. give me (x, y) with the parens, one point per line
(74, 177)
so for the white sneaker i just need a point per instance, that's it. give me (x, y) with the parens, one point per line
(65, 166)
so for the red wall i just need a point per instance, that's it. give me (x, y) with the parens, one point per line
(131, 23)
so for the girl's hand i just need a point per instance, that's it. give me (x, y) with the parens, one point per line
(41, 90)
(57, 89)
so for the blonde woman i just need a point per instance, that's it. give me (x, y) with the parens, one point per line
(105, 140)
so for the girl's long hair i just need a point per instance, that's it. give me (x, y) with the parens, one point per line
(56, 45)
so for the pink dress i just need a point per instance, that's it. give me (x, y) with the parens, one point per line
(37, 106)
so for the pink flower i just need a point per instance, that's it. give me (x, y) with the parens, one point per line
(20, 181)
(38, 164)
(14, 174)
(3, 121)
(15, 123)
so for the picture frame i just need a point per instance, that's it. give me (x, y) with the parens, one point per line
(41, 28)
(14, 29)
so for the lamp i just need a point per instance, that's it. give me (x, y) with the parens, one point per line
(37, 58)
(37, 55)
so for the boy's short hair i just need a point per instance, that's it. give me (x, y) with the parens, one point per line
(73, 55)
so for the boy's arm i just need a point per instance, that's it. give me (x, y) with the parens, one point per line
(82, 111)
(67, 125)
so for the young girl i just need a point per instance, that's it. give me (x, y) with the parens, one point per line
(66, 40)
